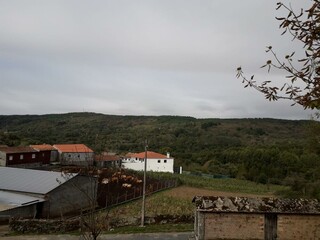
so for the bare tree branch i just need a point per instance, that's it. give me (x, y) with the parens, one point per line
(302, 85)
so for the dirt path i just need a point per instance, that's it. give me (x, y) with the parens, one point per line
(4, 229)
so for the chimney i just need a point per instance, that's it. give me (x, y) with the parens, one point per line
(168, 155)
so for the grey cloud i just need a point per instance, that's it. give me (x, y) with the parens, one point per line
(143, 57)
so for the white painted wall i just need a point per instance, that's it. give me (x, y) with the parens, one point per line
(165, 164)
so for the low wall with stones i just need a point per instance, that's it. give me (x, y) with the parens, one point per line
(256, 218)
(43, 226)
(159, 219)
(63, 226)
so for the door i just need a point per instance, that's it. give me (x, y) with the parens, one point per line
(270, 226)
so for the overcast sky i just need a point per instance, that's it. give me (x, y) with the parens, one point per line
(140, 57)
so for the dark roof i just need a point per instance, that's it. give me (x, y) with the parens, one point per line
(256, 205)
(17, 149)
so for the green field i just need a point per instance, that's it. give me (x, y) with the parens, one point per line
(177, 202)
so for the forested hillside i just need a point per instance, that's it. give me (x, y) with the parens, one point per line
(262, 150)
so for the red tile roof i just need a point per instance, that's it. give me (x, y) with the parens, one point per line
(17, 149)
(150, 155)
(72, 148)
(43, 147)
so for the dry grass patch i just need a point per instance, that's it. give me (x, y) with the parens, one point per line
(187, 193)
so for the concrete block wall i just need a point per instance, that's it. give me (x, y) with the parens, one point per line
(234, 226)
(247, 226)
(298, 227)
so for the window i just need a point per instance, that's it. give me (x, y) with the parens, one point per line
(165, 161)
(159, 161)
(10, 158)
(21, 156)
(33, 156)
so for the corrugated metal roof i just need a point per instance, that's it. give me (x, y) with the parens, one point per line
(31, 181)
(9, 200)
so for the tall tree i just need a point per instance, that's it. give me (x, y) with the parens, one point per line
(302, 83)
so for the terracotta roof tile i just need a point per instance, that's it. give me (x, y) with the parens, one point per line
(150, 155)
(71, 148)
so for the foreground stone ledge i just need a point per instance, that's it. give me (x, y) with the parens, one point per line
(257, 205)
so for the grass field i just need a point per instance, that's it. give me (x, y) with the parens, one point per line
(178, 201)
(232, 185)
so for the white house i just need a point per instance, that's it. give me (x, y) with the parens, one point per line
(155, 162)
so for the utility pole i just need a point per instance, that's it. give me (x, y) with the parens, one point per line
(144, 183)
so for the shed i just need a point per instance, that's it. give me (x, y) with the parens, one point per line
(18, 205)
(107, 160)
(22, 156)
(256, 218)
(62, 193)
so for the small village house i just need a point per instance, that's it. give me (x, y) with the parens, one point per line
(24, 157)
(107, 160)
(75, 154)
(155, 162)
(47, 151)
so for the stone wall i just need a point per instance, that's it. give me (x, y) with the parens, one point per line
(44, 226)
